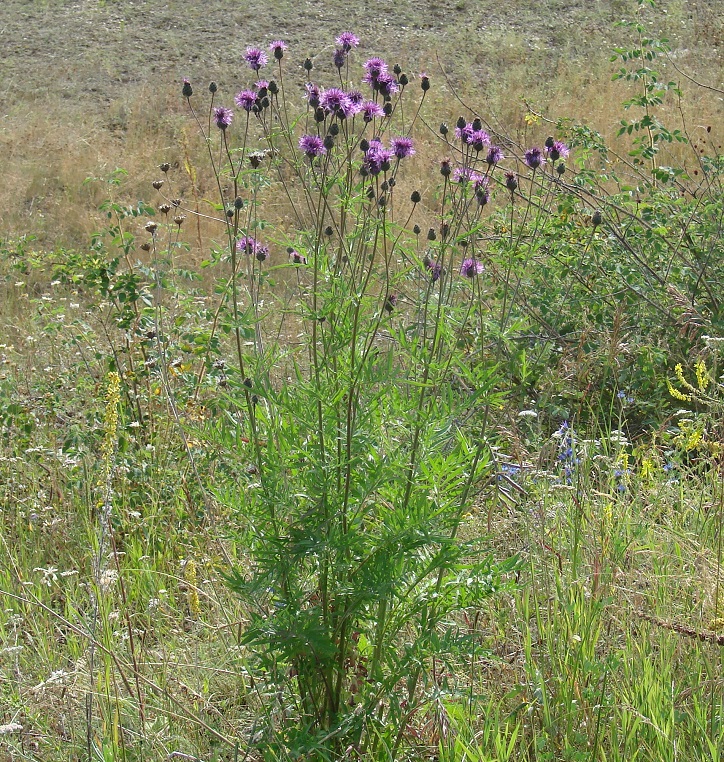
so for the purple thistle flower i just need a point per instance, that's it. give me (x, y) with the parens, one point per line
(402, 147)
(558, 150)
(247, 245)
(312, 146)
(256, 58)
(262, 252)
(377, 158)
(479, 139)
(245, 99)
(495, 155)
(391, 302)
(465, 134)
(433, 268)
(262, 84)
(533, 157)
(312, 94)
(356, 97)
(471, 267)
(386, 84)
(340, 56)
(223, 117)
(347, 41)
(296, 257)
(277, 48)
(464, 175)
(336, 101)
(370, 110)
(374, 67)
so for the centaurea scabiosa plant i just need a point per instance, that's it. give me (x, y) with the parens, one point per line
(361, 465)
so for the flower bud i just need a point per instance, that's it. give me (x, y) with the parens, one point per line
(308, 65)
(597, 219)
(415, 197)
(213, 87)
(187, 90)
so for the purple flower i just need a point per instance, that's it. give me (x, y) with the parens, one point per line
(495, 155)
(471, 267)
(312, 94)
(465, 134)
(558, 151)
(391, 302)
(245, 99)
(347, 41)
(511, 181)
(256, 58)
(374, 69)
(479, 139)
(370, 110)
(296, 257)
(465, 175)
(533, 157)
(377, 158)
(312, 146)
(340, 56)
(402, 147)
(356, 97)
(433, 268)
(223, 117)
(336, 101)
(386, 84)
(277, 48)
(247, 245)
(262, 84)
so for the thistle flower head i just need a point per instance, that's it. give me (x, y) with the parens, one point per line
(312, 146)
(339, 57)
(347, 41)
(370, 110)
(533, 157)
(558, 150)
(471, 267)
(313, 94)
(377, 158)
(277, 47)
(494, 156)
(248, 245)
(223, 117)
(245, 99)
(337, 102)
(479, 139)
(511, 181)
(256, 58)
(465, 133)
(386, 84)
(402, 147)
(464, 175)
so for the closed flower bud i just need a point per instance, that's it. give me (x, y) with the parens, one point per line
(397, 69)
(443, 129)
(477, 124)
(308, 65)
(387, 108)
(230, 213)
(416, 229)
(415, 197)
(460, 122)
(213, 87)
(273, 87)
(328, 230)
(319, 114)
(334, 129)
(511, 182)
(238, 202)
(549, 142)
(364, 145)
(431, 234)
(187, 90)
(329, 142)
(404, 80)
(597, 219)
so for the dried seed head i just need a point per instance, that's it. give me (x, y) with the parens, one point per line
(151, 227)
(164, 167)
(179, 219)
(164, 208)
(146, 246)
(157, 184)
(176, 202)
